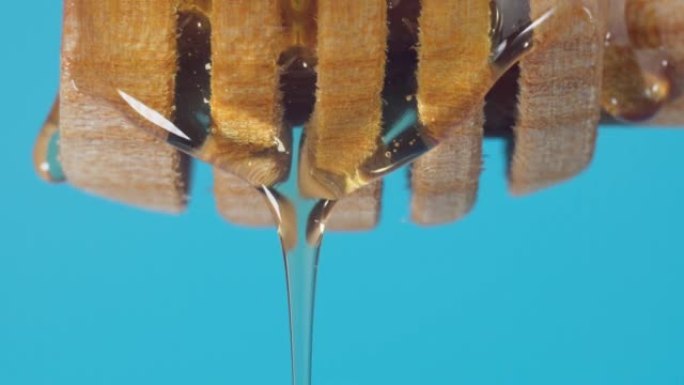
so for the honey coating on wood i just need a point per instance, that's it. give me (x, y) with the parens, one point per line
(346, 123)
(102, 149)
(246, 42)
(558, 108)
(358, 211)
(241, 204)
(236, 199)
(644, 69)
(454, 71)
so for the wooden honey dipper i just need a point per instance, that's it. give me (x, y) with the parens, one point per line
(560, 91)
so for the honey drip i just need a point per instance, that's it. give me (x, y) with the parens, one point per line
(301, 224)
(301, 215)
(46, 149)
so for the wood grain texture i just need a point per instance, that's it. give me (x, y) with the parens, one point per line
(239, 202)
(247, 39)
(346, 123)
(444, 182)
(558, 103)
(359, 211)
(453, 71)
(119, 45)
(453, 76)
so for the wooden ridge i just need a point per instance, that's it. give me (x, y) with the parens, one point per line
(444, 182)
(449, 89)
(246, 110)
(558, 102)
(346, 124)
(101, 149)
(249, 92)
(450, 105)
(104, 151)
(246, 101)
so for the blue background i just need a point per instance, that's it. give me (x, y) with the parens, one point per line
(579, 284)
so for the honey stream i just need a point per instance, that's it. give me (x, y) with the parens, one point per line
(301, 218)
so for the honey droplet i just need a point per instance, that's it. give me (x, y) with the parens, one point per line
(634, 90)
(638, 79)
(46, 149)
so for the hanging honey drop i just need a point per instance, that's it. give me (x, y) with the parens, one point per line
(638, 79)
(634, 91)
(46, 149)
